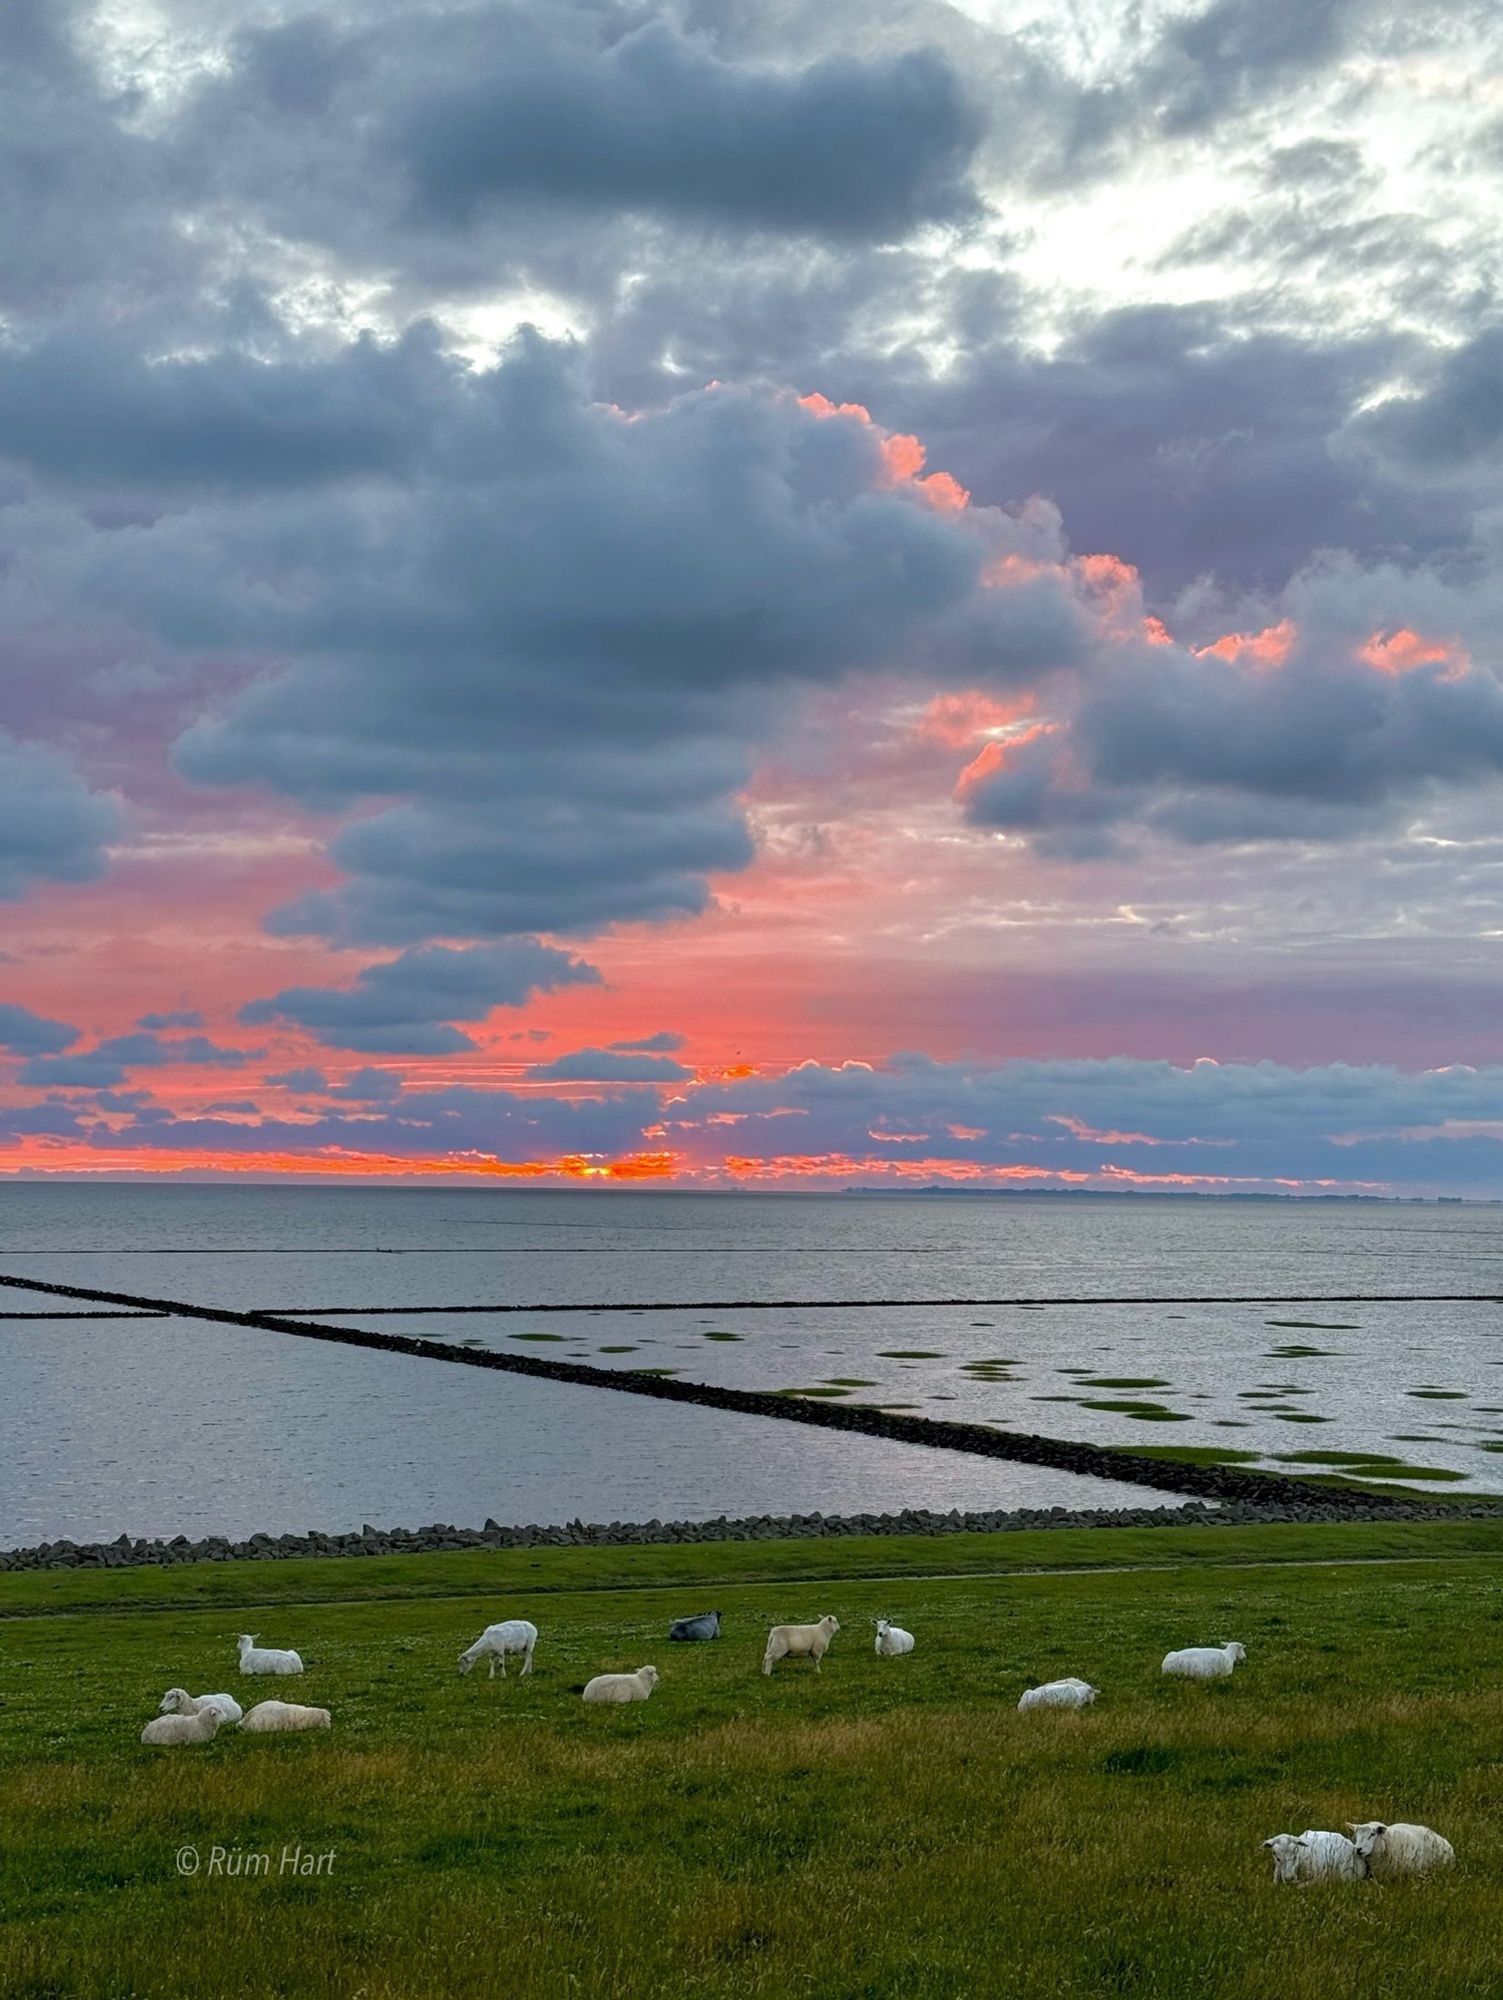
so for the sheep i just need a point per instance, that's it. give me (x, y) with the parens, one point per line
(892, 1640)
(272, 1717)
(798, 1642)
(621, 1687)
(1386, 1850)
(1313, 1856)
(1070, 1693)
(178, 1701)
(512, 1635)
(256, 1659)
(703, 1625)
(1205, 1663)
(200, 1728)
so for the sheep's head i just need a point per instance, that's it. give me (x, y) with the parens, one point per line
(1285, 1849)
(245, 1641)
(649, 1675)
(881, 1625)
(173, 1700)
(831, 1623)
(466, 1660)
(1234, 1649)
(209, 1720)
(1367, 1837)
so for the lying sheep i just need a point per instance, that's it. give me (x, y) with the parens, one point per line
(703, 1625)
(1389, 1849)
(892, 1640)
(799, 1642)
(256, 1659)
(1313, 1856)
(621, 1687)
(1069, 1693)
(272, 1717)
(178, 1701)
(512, 1635)
(200, 1728)
(1205, 1663)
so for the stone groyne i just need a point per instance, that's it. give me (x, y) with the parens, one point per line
(127, 1552)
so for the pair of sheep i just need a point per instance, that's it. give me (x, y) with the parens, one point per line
(1377, 1849)
(1192, 1663)
(198, 1718)
(784, 1642)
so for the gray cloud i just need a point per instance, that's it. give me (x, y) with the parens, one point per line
(665, 1042)
(187, 1018)
(655, 122)
(408, 1005)
(52, 828)
(109, 1061)
(612, 1066)
(24, 1033)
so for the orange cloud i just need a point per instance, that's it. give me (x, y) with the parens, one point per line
(1402, 651)
(994, 757)
(956, 719)
(903, 456)
(1268, 648)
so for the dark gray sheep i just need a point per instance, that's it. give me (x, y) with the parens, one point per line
(703, 1625)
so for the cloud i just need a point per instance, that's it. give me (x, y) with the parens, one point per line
(24, 1033)
(188, 1018)
(52, 828)
(407, 1005)
(611, 1066)
(565, 759)
(655, 122)
(109, 1061)
(663, 1043)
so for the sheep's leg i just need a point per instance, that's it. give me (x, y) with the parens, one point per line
(502, 1657)
(526, 1662)
(492, 1674)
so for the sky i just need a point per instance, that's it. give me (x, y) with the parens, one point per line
(785, 595)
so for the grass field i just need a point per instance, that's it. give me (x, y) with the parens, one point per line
(888, 1827)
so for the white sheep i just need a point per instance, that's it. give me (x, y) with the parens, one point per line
(200, 1728)
(1069, 1693)
(892, 1640)
(1205, 1663)
(512, 1635)
(256, 1659)
(178, 1701)
(799, 1642)
(1313, 1856)
(621, 1687)
(1389, 1849)
(272, 1717)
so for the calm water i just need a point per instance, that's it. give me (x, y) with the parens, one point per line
(168, 1426)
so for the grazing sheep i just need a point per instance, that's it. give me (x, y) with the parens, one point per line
(621, 1687)
(512, 1635)
(200, 1728)
(799, 1642)
(1389, 1849)
(256, 1659)
(892, 1640)
(1070, 1693)
(1313, 1856)
(1205, 1663)
(178, 1701)
(704, 1625)
(271, 1717)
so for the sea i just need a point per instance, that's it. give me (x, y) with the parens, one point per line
(1077, 1317)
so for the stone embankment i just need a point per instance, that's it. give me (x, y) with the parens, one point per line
(125, 1552)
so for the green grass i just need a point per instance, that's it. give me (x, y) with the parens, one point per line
(885, 1828)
